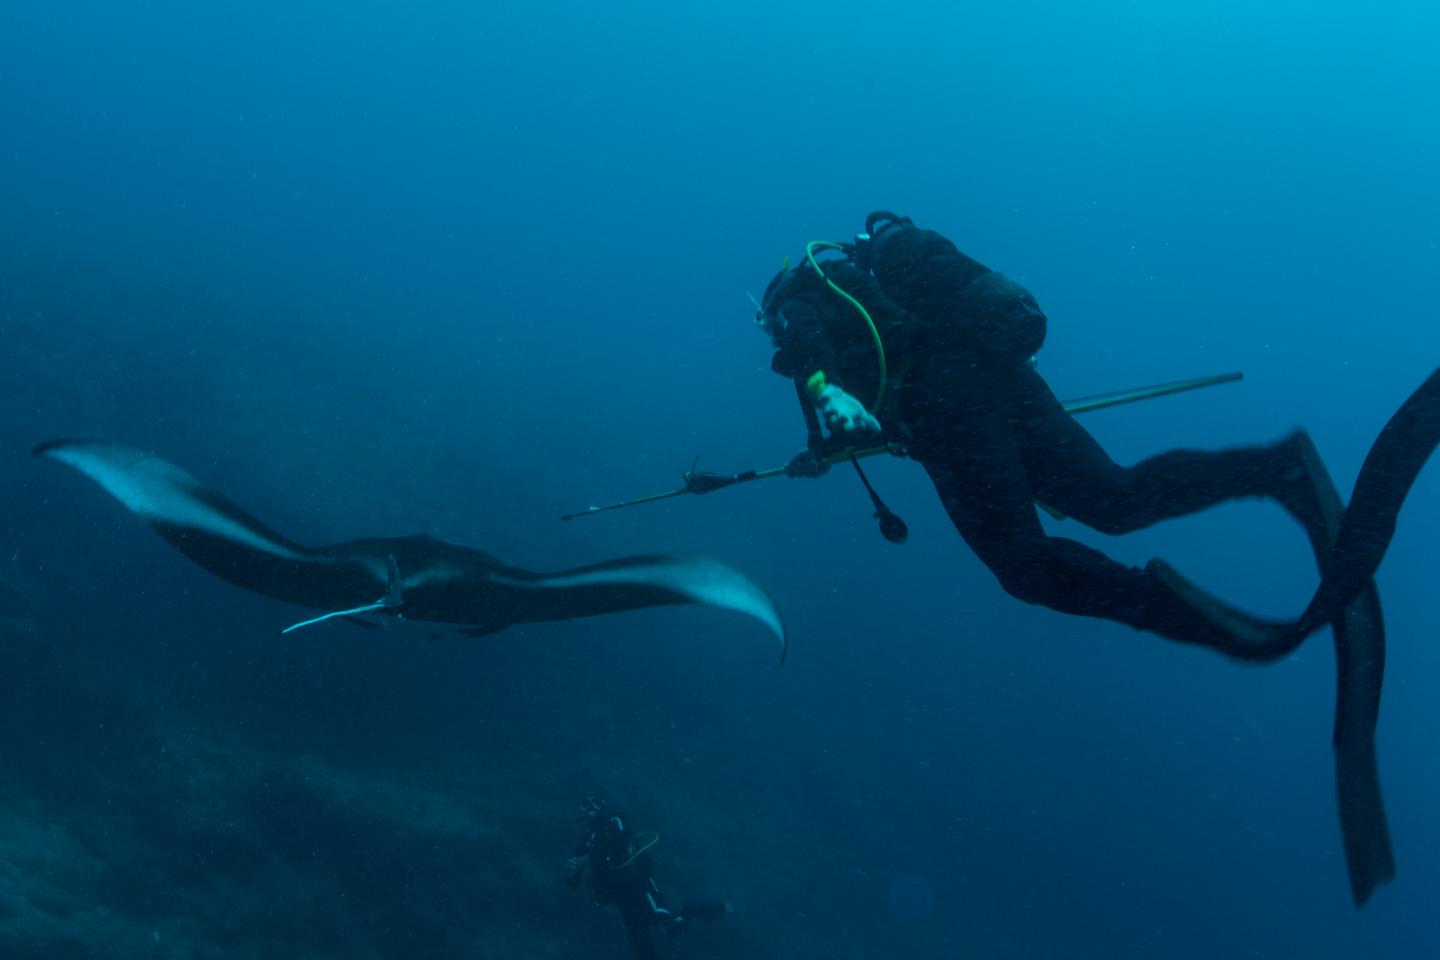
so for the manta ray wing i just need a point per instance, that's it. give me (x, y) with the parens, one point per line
(649, 581)
(218, 535)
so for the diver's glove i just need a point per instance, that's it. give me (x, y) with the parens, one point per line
(845, 416)
(808, 464)
(849, 423)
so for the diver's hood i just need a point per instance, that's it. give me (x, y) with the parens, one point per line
(796, 313)
(792, 301)
(814, 328)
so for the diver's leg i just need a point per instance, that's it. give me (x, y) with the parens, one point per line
(638, 917)
(660, 913)
(1071, 472)
(985, 492)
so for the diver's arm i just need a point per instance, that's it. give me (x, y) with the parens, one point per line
(575, 865)
(575, 870)
(814, 438)
(850, 426)
(809, 462)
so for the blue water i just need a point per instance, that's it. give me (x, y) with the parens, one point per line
(461, 268)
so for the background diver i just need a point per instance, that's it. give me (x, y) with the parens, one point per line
(942, 350)
(622, 876)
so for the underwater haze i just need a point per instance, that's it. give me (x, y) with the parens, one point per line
(459, 268)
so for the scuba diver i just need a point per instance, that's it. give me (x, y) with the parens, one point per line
(622, 876)
(908, 342)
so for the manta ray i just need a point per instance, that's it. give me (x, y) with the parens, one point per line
(414, 577)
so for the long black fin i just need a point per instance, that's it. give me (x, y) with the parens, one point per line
(1359, 633)
(1390, 469)
(1347, 598)
(1359, 677)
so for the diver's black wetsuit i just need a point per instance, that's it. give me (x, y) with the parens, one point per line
(995, 440)
(632, 891)
(966, 402)
(622, 876)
